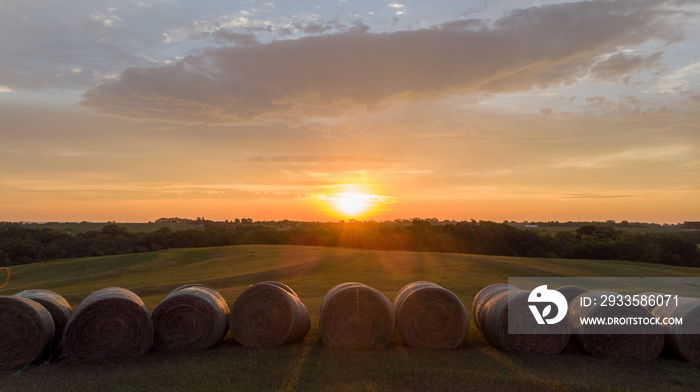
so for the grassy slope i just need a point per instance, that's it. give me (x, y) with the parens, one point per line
(311, 272)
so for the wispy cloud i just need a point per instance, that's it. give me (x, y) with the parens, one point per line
(294, 159)
(586, 195)
(648, 154)
(622, 63)
(680, 80)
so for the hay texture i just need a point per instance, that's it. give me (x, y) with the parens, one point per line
(431, 317)
(356, 316)
(571, 292)
(683, 340)
(109, 323)
(643, 347)
(26, 331)
(655, 294)
(494, 325)
(268, 314)
(190, 318)
(57, 306)
(483, 296)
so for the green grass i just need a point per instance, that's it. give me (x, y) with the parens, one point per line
(308, 366)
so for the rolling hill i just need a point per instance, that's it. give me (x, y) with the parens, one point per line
(311, 272)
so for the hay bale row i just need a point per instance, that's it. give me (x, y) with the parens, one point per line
(26, 331)
(512, 305)
(620, 343)
(483, 296)
(571, 292)
(268, 314)
(354, 315)
(192, 317)
(431, 317)
(684, 339)
(57, 306)
(109, 323)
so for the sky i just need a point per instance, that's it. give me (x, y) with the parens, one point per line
(133, 110)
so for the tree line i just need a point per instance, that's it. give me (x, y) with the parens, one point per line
(21, 245)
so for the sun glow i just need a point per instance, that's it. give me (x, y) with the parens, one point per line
(352, 204)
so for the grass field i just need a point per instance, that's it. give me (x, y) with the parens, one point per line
(308, 366)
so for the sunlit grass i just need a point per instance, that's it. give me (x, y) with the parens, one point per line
(311, 272)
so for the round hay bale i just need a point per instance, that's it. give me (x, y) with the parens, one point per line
(282, 286)
(430, 316)
(408, 289)
(268, 314)
(190, 318)
(494, 325)
(621, 343)
(571, 292)
(648, 296)
(109, 323)
(57, 306)
(354, 315)
(684, 339)
(26, 331)
(483, 296)
(188, 285)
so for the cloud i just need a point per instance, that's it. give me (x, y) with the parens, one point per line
(400, 8)
(648, 154)
(294, 159)
(681, 80)
(328, 75)
(225, 36)
(587, 195)
(50, 40)
(621, 64)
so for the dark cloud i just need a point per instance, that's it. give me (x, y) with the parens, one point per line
(465, 24)
(327, 75)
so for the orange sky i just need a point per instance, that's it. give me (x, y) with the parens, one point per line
(271, 113)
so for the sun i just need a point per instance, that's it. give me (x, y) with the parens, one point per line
(352, 204)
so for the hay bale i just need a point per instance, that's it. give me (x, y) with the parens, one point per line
(354, 315)
(26, 331)
(268, 314)
(192, 317)
(188, 285)
(483, 296)
(571, 292)
(620, 343)
(109, 323)
(684, 339)
(495, 316)
(282, 286)
(57, 306)
(430, 316)
(649, 294)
